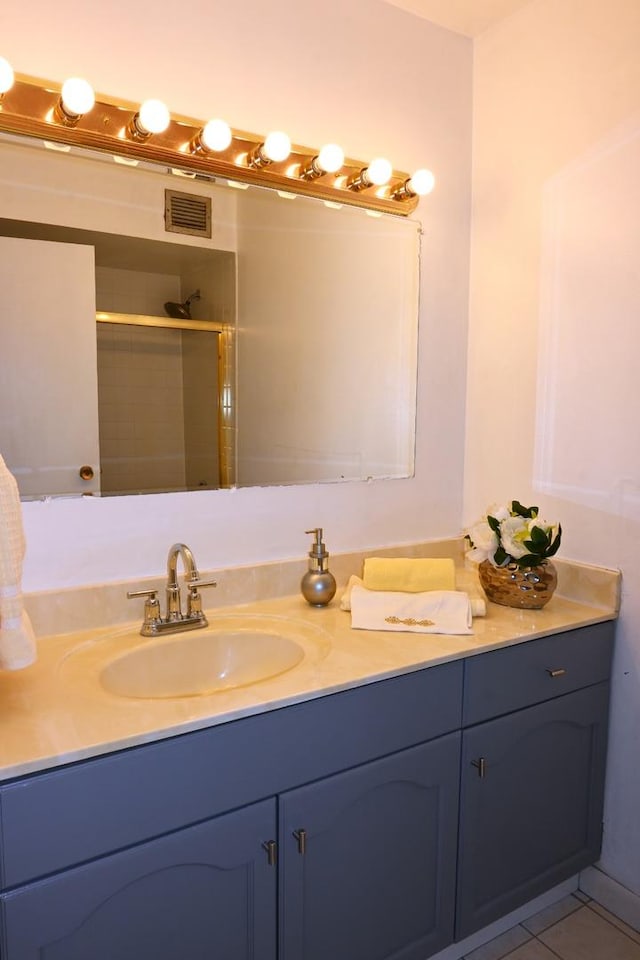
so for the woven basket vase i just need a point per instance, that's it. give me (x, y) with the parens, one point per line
(529, 588)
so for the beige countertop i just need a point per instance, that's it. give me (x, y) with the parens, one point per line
(57, 712)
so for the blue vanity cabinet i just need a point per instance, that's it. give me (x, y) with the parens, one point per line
(406, 812)
(207, 891)
(367, 859)
(533, 778)
(158, 851)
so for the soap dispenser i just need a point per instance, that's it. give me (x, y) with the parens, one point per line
(318, 585)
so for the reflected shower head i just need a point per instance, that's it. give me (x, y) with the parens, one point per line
(181, 311)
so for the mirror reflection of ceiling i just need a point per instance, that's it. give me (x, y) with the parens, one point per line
(469, 17)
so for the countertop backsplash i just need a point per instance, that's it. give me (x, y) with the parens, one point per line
(100, 605)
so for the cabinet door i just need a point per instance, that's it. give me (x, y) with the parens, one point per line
(372, 877)
(531, 803)
(203, 892)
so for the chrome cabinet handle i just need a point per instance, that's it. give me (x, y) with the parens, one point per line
(481, 766)
(560, 672)
(272, 851)
(301, 837)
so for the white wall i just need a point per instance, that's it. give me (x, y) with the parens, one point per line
(327, 342)
(554, 343)
(376, 80)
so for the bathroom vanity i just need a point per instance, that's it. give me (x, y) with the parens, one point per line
(379, 821)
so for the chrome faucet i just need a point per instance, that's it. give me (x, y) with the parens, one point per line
(175, 619)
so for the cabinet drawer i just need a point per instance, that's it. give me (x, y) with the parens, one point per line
(538, 670)
(71, 814)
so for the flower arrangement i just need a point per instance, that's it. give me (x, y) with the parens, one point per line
(513, 535)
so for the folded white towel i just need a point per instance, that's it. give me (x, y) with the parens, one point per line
(345, 599)
(17, 641)
(478, 604)
(437, 611)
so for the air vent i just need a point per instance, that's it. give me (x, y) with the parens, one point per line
(187, 213)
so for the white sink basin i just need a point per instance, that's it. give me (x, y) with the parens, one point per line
(235, 650)
(201, 663)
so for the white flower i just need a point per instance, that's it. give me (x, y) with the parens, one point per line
(499, 511)
(513, 531)
(484, 542)
(513, 537)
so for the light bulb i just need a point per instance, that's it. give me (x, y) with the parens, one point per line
(153, 116)
(330, 158)
(6, 76)
(216, 135)
(379, 172)
(421, 183)
(277, 146)
(77, 97)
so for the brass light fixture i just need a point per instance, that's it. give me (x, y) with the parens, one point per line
(70, 115)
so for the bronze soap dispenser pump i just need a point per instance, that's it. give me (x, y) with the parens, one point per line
(318, 585)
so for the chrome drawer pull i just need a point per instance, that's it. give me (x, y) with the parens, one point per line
(557, 673)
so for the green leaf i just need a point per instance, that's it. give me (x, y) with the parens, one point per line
(540, 538)
(553, 549)
(500, 556)
(494, 524)
(529, 560)
(529, 513)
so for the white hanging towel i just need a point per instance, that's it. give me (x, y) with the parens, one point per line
(17, 640)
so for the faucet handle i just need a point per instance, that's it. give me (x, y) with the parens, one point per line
(194, 600)
(194, 584)
(132, 594)
(151, 606)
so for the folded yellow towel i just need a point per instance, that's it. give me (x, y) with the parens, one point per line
(409, 575)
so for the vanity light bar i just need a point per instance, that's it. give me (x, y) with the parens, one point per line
(37, 108)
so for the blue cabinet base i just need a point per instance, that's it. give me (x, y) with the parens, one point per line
(373, 824)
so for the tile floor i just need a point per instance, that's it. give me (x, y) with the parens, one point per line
(575, 928)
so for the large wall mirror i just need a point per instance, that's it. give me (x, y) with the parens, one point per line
(141, 355)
